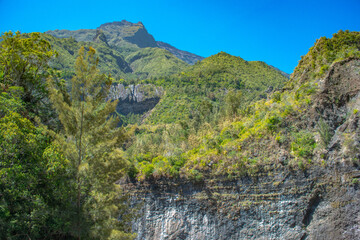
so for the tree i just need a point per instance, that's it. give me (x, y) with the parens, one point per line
(90, 141)
(233, 100)
(24, 62)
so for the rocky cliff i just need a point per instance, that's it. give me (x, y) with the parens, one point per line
(273, 204)
(136, 99)
(277, 201)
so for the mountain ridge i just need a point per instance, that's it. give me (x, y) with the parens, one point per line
(183, 55)
(120, 34)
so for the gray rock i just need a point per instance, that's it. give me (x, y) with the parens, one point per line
(136, 99)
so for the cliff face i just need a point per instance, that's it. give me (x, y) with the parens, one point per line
(275, 204)
(136, 99)
(277, 201)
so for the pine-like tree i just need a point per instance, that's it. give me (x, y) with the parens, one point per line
(91, 141)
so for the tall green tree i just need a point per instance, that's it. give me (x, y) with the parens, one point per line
(90, 141)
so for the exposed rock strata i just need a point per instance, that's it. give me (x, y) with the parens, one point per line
(287, 205)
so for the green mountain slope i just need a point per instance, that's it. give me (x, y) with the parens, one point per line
(209, 81)
(299, 126)
(110, 61)
(198, 103)
(225, 70)
(317, 61)
(152, 62)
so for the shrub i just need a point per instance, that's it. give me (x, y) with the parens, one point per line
(303, 144)
(273, 122)
(146, 169)
(325, 132)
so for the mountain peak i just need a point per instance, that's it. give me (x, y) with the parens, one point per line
(134, 33)
(122, 23)
(119, 34)
(224, 56)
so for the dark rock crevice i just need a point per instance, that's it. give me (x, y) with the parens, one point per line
(126, 107)
(314, 202)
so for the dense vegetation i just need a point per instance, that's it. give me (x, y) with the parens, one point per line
(224, 133)
(202, 89)
(197, 103)
(317, 61)
(61, 151)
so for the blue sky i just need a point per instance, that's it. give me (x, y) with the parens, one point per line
(277, 32)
